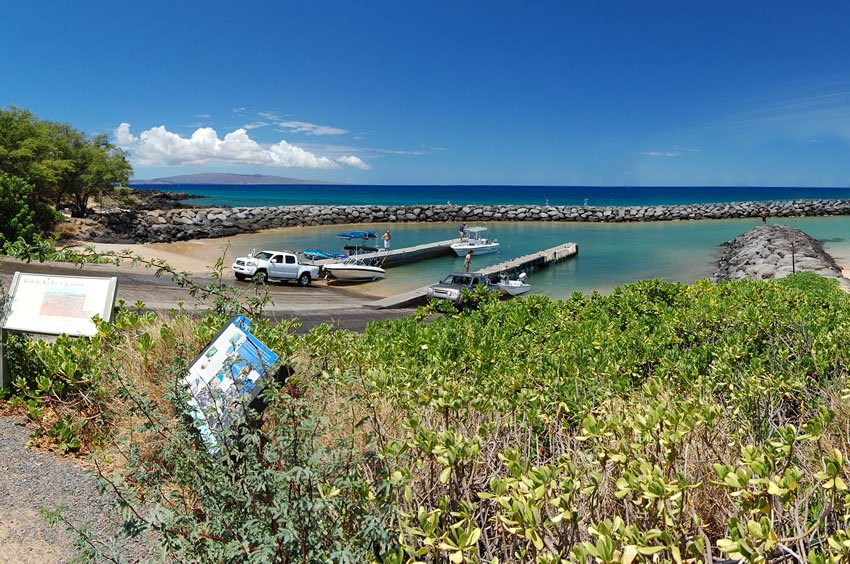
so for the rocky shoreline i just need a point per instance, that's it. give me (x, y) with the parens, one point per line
(775, 251)
(181, 224)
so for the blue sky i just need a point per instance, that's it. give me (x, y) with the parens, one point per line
(481, 92)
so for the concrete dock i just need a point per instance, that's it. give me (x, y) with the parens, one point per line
(406, 255)
(527, 263)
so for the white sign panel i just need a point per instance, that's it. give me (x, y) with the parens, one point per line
(226, 374)
(53, 305)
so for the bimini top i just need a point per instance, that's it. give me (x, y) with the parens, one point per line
(358, 235)
(476, 229)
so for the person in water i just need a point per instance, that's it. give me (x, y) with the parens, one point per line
(467, 260)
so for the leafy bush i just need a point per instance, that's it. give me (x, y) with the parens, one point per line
(610, 428)
(16, 209)
(664, 422)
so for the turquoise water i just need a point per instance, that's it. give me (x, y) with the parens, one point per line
(328, 194)
(609, 254)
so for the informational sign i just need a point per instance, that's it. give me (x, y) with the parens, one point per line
(53, 305)
(225, 377)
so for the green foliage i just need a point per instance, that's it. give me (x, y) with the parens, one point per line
(285, 487)
(58, 161)
(663, 422)
(606, 415)
(23, 215)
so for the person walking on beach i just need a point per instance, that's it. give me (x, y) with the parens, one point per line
(462, 231)
(467, 260)
(386, 237)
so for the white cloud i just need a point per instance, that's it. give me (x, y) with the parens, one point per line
(310, 128)
(239, 110)
(255, 125)
(123, 136)
(666, 154)
(269, 115)
(159, 147)
(353, 161)
(669, 154)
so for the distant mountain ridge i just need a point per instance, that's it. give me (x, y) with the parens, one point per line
(224, 178)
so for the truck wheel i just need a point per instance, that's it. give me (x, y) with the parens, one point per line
(261, 277)
(240, 277)
(304, 279)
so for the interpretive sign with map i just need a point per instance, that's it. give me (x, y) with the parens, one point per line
(53, 305)
(225, 377)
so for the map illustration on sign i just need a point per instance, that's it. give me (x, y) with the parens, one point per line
(55, 305)
(225, 376)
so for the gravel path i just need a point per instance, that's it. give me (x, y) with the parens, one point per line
(32, 480)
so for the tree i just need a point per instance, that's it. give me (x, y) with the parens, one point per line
(97, 166)
(29, 151)
(58, 161)
(15, 208)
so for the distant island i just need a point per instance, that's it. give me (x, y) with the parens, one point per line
(223, 178)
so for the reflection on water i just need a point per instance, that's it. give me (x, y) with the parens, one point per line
(609, 254)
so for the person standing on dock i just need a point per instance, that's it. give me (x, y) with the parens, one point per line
(387, 237)
(462, 231)
(467, 260)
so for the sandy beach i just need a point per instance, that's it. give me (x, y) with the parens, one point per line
(198, 256)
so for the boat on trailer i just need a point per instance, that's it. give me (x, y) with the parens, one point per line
(355, 270)
(511, 287)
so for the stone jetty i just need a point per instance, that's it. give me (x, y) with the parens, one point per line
(144, 226)
(775, 251)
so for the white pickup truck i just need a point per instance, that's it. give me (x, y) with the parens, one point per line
(278, 265)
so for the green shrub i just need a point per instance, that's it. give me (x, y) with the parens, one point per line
(664, 422)
(16, 209)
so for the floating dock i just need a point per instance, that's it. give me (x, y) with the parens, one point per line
(527, 263)
(406, 255)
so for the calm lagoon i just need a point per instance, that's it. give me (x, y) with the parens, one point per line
(610, 254)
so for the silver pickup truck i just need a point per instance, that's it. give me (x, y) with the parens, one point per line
(278, 265)
(451, 288)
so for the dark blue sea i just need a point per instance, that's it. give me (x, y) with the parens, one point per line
(324, 194)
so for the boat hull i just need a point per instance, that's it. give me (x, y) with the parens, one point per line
(513, 289)
(355, 273)
(461, 249)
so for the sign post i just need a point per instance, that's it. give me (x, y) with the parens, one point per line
(55, 305)
(4, 367)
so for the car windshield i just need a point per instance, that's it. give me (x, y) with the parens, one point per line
(457, 280)
(263, 255)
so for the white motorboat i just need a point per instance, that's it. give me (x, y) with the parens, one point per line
(355, 270)
(513, 287)
(476, 241)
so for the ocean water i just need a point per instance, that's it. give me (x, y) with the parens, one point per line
(609, 254)
(321, 194)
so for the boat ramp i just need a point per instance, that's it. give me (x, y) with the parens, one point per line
(527, 263)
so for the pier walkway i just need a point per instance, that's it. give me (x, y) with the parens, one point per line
(527, 263)
(406, 255)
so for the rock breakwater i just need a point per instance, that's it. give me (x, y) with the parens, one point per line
(775, 251)
(144, 226)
